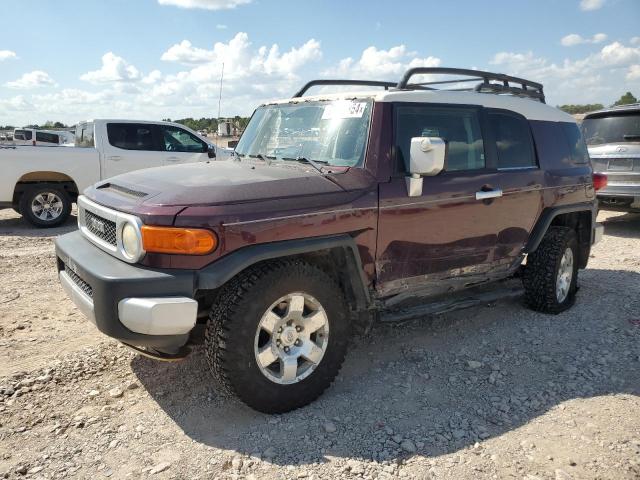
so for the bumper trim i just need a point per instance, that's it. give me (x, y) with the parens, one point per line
(158, 315)
(79, 298)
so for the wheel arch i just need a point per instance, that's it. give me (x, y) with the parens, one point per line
(33, 178)
(338, 254)
(580, 217)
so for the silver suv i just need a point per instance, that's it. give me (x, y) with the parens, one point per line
(613, 139)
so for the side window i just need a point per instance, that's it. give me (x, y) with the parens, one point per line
(131, 136)
(47, 137)
(175, 139)
(458, 127)
(579, 152)
(513, 141)
(23, 135)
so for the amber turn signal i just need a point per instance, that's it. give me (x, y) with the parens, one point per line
(186, 241)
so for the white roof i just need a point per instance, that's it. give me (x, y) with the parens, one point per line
(530, 108)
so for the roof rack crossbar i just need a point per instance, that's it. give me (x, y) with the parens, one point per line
(527, 87)
(368, 83)
(443, 82)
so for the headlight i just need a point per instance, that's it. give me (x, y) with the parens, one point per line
(130, 242)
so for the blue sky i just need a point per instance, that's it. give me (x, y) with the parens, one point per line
(69, 60)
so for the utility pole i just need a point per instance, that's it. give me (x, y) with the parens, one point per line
(220, 97)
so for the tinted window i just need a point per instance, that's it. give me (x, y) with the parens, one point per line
(579, 153)
(23, 135)
(513, 141)
(176, 139)
(84, 135)
(612, 128)
(458, 127)
(131, 136)
(47, 137)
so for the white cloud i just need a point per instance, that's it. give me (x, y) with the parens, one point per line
(7, 55)
(635, 41)
(152, 78)
(588, 5)
(381, 64)
(633, 73)
(34, 79)
(187, 54)
(594, 78)
(205, 4)
(114, 69)
(575, 39)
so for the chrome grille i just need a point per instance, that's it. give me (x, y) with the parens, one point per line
(102, 228)
(84, 286)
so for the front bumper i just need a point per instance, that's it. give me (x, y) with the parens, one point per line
(136, 305)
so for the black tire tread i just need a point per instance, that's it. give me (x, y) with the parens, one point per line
(539, 277)
(222, 316)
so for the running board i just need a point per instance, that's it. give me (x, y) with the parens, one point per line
(454, 301)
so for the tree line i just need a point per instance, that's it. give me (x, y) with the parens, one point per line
(211, 124)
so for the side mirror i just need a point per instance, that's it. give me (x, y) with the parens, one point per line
(426, 158)
(211, 151)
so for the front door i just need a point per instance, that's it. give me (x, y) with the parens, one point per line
(181, 146)
(451, 235)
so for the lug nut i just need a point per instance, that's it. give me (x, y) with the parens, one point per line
(298, 343)
(286, 349)
(298, 328)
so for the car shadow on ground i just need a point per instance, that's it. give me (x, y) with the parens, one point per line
(16, 226)
(626, 225)
(415, 380)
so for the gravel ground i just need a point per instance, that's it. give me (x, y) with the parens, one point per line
(489, 392)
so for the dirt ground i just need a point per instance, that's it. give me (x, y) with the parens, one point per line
(495, 391)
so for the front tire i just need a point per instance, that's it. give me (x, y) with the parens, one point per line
(45, 205)
(550, 277)
(278, 336)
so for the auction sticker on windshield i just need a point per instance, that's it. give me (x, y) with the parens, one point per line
(344, 109)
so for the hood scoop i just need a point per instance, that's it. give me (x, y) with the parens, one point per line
(121, 189)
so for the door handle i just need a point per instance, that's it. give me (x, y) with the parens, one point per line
(172, 159)
(484, 195)
(115, 158)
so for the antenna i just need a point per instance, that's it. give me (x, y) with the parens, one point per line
(220, 97)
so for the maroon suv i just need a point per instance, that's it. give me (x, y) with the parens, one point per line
(336, 209)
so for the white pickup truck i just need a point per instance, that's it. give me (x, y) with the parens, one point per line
(41, 183)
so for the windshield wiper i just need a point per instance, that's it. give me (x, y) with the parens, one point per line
(635, 136)
(313, 163)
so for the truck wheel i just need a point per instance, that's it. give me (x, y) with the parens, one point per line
(278, 336)
(45, 205)
(550, 277)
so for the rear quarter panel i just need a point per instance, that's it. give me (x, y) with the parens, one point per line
(80, 164)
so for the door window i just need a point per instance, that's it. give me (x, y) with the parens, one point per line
(513, 141)
(47, 137)
(175, 139)
(458, 127)
(131, 136)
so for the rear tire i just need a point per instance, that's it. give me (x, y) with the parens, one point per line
(45, 205)
(550, 277)
(271, 308)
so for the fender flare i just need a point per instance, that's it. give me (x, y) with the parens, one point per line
(547, 216)
(221, 271)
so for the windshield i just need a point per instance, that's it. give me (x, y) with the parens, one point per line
(327, 132)
(617, 128)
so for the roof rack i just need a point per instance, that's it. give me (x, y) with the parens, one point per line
(524, 88)
(368, 83)
(527, 88)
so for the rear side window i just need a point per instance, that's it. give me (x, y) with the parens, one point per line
(577, 147)
(23, 135)
(84, 135)
(458, 127)
(131, 136)
(513, 141)
(176, 139)
(47, 137)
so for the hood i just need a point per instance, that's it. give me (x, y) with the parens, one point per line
(175, 187)
(617, 150)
